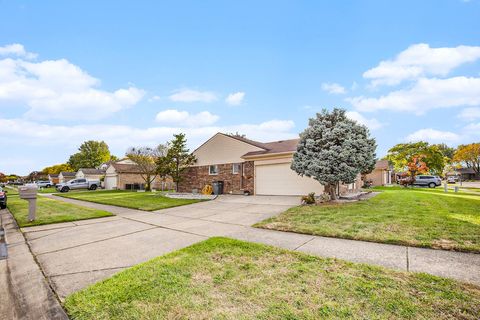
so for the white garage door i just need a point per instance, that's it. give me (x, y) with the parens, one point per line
(110, 182)
(279, 179)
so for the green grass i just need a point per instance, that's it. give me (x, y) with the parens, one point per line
(222, 278)
(47, 190)
(50, 211)
(148, 201)
(415, 216)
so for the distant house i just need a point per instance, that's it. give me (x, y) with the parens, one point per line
(65, 176)
(125, 175)
(381, 175)
(89, 173)
(467, 174)
(245, 165)
(53, 178)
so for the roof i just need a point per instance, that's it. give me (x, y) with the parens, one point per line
(91, 171)
(67, 174)
(382, 164)
(53, 175)
(243, 139)
(126, 168)
(466, 170)
(282, 146)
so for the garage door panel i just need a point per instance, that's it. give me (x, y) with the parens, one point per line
(279, 179)
(110, 182)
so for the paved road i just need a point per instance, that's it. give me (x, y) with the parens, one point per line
(74, 255)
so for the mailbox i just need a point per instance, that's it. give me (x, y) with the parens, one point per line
(29, 192)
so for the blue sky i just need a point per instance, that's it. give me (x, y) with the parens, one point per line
(134, 73)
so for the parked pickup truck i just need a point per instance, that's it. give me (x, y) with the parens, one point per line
(78, 184)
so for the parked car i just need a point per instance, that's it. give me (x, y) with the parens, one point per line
(3, 198)
(78, 184)
(43, 184)
(451, 179)
(427, 181)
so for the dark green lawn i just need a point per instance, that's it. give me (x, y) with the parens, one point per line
(50, 211)
(414, 216)
(222, 278)
(148, 201)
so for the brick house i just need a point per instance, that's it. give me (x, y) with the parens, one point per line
(89, 173)
(250, 166)
(65, 176)
(125, 175)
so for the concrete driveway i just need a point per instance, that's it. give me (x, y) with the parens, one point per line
(76, 254)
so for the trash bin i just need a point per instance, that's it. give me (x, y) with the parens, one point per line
(217, 187)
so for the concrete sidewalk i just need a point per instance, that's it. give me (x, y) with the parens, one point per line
(76, 254)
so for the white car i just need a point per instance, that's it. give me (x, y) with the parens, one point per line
(43, 184)
(78, 184)
(451, 179)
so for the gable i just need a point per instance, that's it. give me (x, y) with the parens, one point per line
(222, 149)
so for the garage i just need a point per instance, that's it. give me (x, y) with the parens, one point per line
(110, 182)
(279, 179)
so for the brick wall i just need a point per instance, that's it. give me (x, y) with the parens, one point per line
(198, 177)
(135, 178)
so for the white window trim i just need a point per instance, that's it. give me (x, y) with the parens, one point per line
(239, 168)
(210, 171)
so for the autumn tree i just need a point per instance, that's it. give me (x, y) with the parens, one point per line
(57, 168)
(3, 177)
(401, 154)
(415, 166)
(469, 155)
(145, 158)
(90, 154)
(334, 149)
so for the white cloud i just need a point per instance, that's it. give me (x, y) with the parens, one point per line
(188, 95)
(154, 98)
(31, 134)
(58, 89)
(235, 99)
(421, 60)
(432, 135)
(16, 49)
(470, 114)
(426, 94)
(185, 119)
(333, 88)
(372, 123)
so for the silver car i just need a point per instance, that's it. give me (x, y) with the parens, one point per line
(428, 181)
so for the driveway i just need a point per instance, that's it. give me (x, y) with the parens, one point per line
(76, 254)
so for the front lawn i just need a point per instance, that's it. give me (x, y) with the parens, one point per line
(222, 278)
(50, 211)
(148, 201)
(414, 216)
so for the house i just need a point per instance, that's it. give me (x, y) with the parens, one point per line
(381, 174)
(65, 176)
(89, 173)
(125, 175)
(467, 174)
(246, 165)
(53, 178)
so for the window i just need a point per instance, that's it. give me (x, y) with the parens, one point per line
(213, 170)
(81, 180)
(236, 168)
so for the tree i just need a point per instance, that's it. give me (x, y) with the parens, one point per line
(469, 155)
(415, 166)
(57, 168)
(178, 158)
(90, 154)
(145, 158)
(3, 177)
(334, 149)
(401, 154)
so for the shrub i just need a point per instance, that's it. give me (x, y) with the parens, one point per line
(309, 199)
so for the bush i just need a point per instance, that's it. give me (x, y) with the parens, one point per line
(309, 199)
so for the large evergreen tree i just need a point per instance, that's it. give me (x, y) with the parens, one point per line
(334, 149)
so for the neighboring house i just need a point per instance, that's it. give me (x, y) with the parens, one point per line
(125, 175)
(381, 175)
(53, 178)
(89, 174)
(65, 176)
(467, 174)
(246, 165)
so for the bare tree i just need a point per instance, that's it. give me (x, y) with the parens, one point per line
(146, 158)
